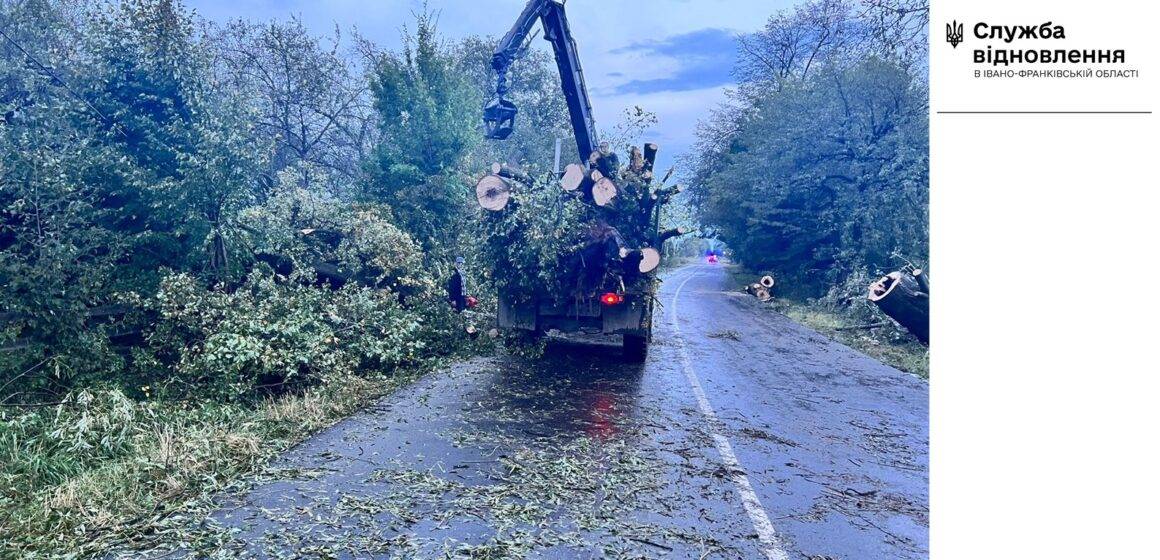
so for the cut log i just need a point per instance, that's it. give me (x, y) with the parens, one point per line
(767, 281)
(758, 291)
(921, 279)
(670, 233)
(643, 260)
(650, 155)
(650, 259)
(899, 297)
(493, 193)
(508, 172)
(573, 177)
(609, 162)
(606, 163)
(603, 191)
(636, 161)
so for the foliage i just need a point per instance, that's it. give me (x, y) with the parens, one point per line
(103, 470)
(136, 150)
(552, 244)
(227, 344)
(177, 204)
(523, 244)
(308, 226)
(309, 99)
(429, 121)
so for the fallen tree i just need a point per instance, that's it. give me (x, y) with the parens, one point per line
(901, 297)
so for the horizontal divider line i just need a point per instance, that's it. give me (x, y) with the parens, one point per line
(1044, 112)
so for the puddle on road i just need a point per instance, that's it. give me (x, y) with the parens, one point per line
(576, 390)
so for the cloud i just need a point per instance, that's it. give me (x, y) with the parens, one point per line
(703, 59)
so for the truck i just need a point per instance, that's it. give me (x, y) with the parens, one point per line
(610, 277)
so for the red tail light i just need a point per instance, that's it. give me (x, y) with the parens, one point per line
(611, 299)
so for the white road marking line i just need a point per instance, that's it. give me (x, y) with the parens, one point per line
(765, 532)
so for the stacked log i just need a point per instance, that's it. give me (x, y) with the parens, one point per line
(902, 297)
(762, 289)
(616, 224)
(493, 193)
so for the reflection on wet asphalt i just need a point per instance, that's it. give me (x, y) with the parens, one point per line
(581, 455)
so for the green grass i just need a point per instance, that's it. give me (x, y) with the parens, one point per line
(104, 471)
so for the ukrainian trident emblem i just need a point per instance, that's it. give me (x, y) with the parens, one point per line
(954, 33)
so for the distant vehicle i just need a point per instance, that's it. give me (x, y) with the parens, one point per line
(711, 259)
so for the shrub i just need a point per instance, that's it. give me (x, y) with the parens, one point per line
(271, 334)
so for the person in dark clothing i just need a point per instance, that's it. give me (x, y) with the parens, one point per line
(456, 288)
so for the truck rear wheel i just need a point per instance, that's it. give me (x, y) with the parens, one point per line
(635, 347)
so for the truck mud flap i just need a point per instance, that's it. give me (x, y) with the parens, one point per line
(622, 318)
(517, 316)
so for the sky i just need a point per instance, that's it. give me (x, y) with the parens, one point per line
(671, 57)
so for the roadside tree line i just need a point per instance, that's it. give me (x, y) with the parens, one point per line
(816, 168)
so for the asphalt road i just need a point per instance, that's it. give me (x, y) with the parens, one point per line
(743, 435)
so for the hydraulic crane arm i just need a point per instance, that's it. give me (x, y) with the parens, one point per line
(499, 114)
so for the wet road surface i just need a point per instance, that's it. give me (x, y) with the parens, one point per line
(743, 435)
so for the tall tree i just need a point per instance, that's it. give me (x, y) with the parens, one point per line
(429, 122)
(312, 99)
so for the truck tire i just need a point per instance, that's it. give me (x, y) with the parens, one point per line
(635, 347)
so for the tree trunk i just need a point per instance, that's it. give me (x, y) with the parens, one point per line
(898, 295)
(920, 277)
(758, 291)
(636, 161)
(650, 156)
(669, 234)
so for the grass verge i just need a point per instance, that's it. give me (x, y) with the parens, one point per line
(885, 341)
(103, 472)
(887, 345)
